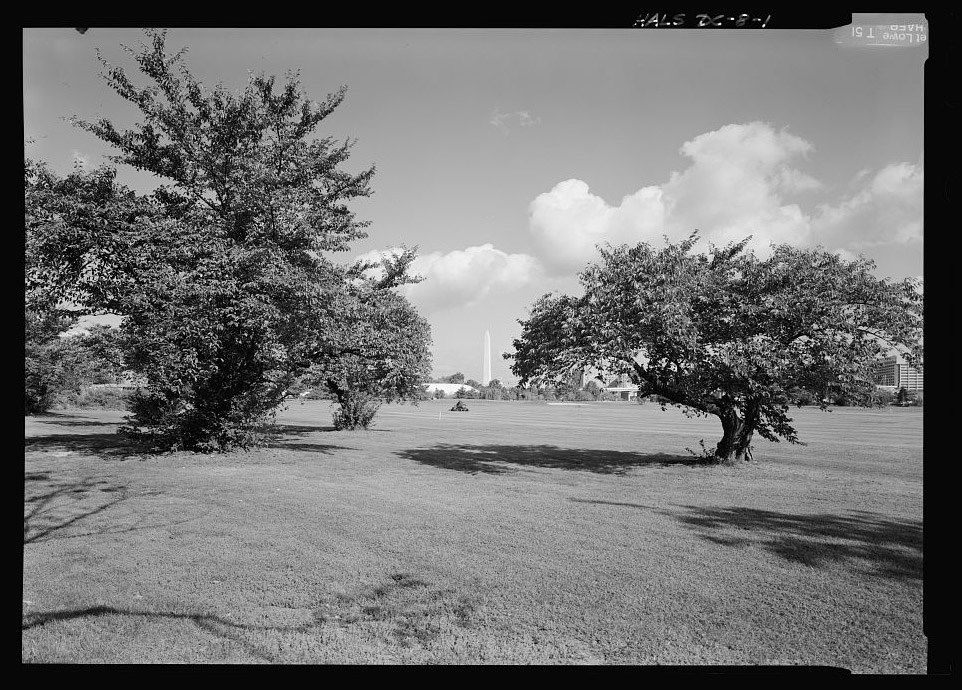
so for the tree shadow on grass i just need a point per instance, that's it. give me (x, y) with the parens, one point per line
(611, 503)
(325, 448)
(78, 508)
(300, 430)
(885, 547)
(280, 434)
(409, 607)
(73, 419)
(500, 459)
(215, 625)
(115, 446)
(57, 507)
(78, 422)
(112, 446)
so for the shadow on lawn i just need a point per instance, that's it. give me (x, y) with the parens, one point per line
(78, 422)
(215, 625)
(496, 459)
(116, 446)
(299, 430)
(104, 445)
(408, 606)
(611, 503)
(69, 419)
(56, 507)
(325, 448)
(69, 510)
(891, 548)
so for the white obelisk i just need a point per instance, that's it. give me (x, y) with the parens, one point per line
(486, 364)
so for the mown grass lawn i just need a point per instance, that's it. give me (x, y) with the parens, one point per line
(514, 533)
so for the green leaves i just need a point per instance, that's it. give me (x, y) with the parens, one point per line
(690, 325)
(220, 272)
(370, 341)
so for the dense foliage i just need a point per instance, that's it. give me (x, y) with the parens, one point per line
(56, 367)
(223, 272)
(725, 333)
(370, 346)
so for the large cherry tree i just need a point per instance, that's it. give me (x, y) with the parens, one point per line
(221, 271)
(725, 333)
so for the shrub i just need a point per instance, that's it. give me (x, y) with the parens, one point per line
(158, 423)
(882, 398)
(53, 366)
(96, 398)
(356, 411)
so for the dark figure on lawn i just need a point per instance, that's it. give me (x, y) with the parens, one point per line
(460, 407)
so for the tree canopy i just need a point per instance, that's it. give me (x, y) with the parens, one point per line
(725, 333)
(370, 345)
(224, 272)
(56, 365)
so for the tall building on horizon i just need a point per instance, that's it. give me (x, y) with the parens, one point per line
(894, 372)
(486, 363)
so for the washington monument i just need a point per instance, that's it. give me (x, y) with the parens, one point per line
(486, 364)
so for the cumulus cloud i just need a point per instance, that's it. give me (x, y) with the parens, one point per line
(464, 276)
(737, 184)
(741, 180)
(520, 118)
(884, 208)
(569, 221)
(845, 254)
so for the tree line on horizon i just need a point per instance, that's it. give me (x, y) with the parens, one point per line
(594, 391)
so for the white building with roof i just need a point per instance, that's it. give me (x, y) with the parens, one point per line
(449, 389)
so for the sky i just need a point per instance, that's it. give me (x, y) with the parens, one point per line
(507, 155)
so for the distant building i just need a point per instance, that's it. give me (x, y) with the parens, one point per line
(622, 387)
(448, 388)
(895, 373)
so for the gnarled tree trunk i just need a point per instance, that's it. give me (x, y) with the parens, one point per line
(737, 431)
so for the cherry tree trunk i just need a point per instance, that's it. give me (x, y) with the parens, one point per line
(736, 443)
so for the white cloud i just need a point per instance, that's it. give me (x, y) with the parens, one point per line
(739, 183)
(569, 221)
(882, 209)
(525, 119)
(521, 118)
(464, 276)
(736, 186)
(845, 254)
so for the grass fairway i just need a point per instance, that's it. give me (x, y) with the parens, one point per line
(514, 533)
